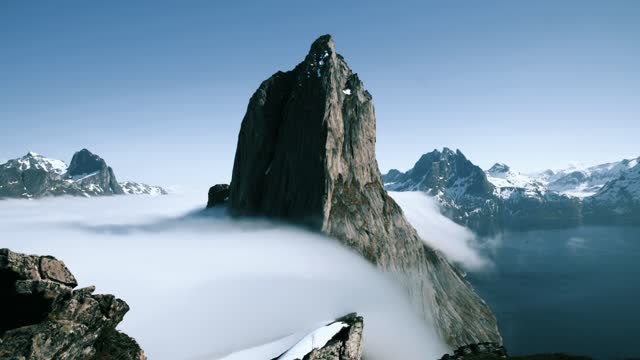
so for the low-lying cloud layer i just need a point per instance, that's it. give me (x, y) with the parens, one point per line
(201, 287)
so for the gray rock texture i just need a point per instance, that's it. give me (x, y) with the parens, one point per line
(43, 317)
(306, 153)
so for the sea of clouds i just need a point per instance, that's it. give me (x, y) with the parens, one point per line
(202, 285)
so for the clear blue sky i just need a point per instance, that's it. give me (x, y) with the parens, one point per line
(159, 88)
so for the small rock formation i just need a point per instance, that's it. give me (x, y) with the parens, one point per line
(306, 153)
(218, 195)
(345, 344)
(481, 351)
(43, 317)
(493, 351)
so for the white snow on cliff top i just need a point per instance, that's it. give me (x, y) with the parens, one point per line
(506, 182)
(38, 162)
(315, 340)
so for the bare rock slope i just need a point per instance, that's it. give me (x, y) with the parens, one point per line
(43, 317)
(306, 153)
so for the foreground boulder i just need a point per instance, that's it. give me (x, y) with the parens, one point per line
(306, 153)
(43, 317)
(338, 340)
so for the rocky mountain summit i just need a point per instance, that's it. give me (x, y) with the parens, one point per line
(501, 197)
(43, 317)
(306, 154)
(35, 176)
(462, 188)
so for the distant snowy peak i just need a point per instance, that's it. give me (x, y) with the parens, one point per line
(508, 182)
(441, 173)
(581, 181)
(498, 170)
(34, 176)
(37, 162)
(133, 188)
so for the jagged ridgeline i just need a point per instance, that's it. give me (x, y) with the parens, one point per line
(36, 176)
(306, 153)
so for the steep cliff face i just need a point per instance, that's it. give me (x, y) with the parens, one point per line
(92, 169)
(306, 153)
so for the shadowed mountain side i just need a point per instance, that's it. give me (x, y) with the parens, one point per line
(306, 153)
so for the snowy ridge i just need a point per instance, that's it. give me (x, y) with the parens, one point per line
(502, 197)
(34, 175)
(36, 161)
(133, 188)
(507, 182)
(581, 181)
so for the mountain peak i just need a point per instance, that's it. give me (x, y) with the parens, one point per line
(322, 44)
(499, 168)
(298, 171)
(85, 162)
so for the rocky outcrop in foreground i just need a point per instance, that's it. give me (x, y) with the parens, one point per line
(306, 154)
(34, 176)
(338, 340)
(218, 195)
(43, 317)
(493, 351)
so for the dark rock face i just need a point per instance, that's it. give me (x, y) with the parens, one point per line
(30, 176)
(439, 171)
(392, 176)
(94, 170)
(43, 317)
(346, 344)
(218, 195)
(493, 351)
(467, 197)
(306, 153)
(85, 162)
(478, 352)
(465, 194)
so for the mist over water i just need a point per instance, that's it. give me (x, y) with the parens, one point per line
(203, 285)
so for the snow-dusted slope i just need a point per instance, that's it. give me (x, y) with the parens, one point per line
(503, 197)
(618, 199)
(507, 182)
(133, 188)
(37, 161)
(34, 175)
(583, 181)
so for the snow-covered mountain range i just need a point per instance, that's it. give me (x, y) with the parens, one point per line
(34, 176)
(573, 181)
(503, 197)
